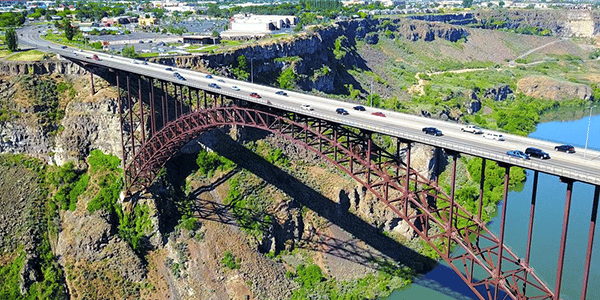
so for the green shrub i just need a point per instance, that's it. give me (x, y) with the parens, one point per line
(230, 261)
(287, 79)
(209, 162)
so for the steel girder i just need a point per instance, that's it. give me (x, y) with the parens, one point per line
(460, 238)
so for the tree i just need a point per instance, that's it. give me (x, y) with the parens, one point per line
(69, 30)
(501, 3)
(129, 52)
(11, 39)
(467, 3)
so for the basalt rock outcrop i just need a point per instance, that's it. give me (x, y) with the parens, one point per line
(566, 23)
(454, 19)
(47, 67)
(549, 88)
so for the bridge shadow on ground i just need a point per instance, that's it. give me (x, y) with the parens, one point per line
(380, 246)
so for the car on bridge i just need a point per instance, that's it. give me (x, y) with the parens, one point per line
(359, 108)
(208, 76)
(178, 76)
(169, 69)
(341, 111)
(432, 131)
(565, 148)
(214, 85)
(255, 95)
(535, 152)
(379, 114)
(493, 136)
(517, 154)
(235, 88)
(307, 107)
(281, 93)
(95, 57)
(472, 129)
(221, 80)
(63, 47)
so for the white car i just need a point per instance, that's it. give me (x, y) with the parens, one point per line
(306, 107)
(493, 136)
(235, 88)
(472, 129)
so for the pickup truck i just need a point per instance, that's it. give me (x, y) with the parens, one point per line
(472, 129)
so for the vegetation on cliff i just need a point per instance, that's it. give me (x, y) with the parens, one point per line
(33, 256)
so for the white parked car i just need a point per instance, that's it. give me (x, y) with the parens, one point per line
(306, 107)
(235, 88)
(493, 136)
(472, 129)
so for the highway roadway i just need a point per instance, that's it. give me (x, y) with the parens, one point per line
(404, 126)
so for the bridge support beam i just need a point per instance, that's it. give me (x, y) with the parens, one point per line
(407, 183)
(530, 230)
(502, 227)
(588, 256)
(563, 239)
(141, 104)
(451, 223)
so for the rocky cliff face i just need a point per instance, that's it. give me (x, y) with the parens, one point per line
(41, 68)
(549, 88)
(87, 126)
(567, 23)
(454, 19)
(315, 50)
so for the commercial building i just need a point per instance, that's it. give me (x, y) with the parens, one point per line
(248, 23)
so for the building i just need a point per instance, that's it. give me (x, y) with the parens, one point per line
(201, 39)
(146, 21)
(260, 23)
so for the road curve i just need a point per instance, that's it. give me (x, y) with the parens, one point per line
(404, 126)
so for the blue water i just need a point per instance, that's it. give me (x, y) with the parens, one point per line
(442, 284)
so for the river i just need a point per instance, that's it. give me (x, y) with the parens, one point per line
(441, 283)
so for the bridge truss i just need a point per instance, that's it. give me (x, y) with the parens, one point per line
(158, 118)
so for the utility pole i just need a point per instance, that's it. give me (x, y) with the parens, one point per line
(588, 132)
(371, 93)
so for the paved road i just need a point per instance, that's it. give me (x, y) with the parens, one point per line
(396, 124)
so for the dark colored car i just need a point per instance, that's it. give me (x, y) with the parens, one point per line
(359, 108)
(432, 131)
(169, 69)
(221, 80)
(214, 85)
(208, 76)
(341, 111)
(517, 154)
(63, 47)
(379, 114)
(176, 75)
(254, 95)
(535, 152)
(565, 148)
(282, 93)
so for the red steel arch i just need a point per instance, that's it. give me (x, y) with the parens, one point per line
(474, 252)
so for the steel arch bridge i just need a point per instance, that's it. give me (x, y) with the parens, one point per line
(159, 117)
